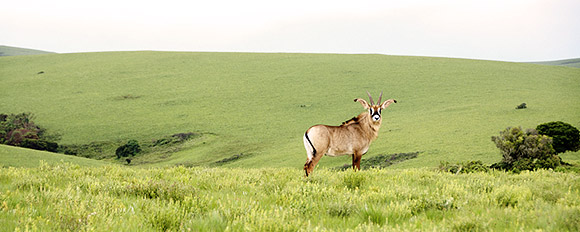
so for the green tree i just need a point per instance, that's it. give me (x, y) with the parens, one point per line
(565, 136)
(130, 149)
(524, 150)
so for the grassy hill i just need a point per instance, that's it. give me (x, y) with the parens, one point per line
(14, 51)
(21, 157)
(253, 108)
(575, 63)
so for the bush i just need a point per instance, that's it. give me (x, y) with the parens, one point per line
(39, 144)
(467, 167)
(524, 150)
(565, 137)
(16, 136)
(130, 149)
(20, 130)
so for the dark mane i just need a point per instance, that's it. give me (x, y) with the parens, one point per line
(355, 120)
(350, 121)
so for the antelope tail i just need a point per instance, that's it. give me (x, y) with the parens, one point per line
(310, 142)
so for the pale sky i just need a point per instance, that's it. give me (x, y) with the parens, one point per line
(507, 30)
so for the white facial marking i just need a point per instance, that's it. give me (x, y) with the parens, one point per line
(375, 115)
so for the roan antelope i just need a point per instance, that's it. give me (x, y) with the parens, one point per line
(353, 137)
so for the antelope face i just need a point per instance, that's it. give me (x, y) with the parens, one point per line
(375, 112)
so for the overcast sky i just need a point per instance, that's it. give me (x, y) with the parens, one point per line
(508, 30)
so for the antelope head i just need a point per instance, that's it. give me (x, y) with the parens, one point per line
(375, 110)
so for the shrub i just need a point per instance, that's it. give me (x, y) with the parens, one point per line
(20, 130)
(15, 127)
(39, 144)
(466, 167)
(130, 149)
(16, 136)
(524, 150)
(565, 137)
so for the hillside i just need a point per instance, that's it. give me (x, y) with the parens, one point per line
(20, 157)
(14, 51)
(253, 108)
(574, 63)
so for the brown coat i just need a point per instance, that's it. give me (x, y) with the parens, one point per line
(353, 137)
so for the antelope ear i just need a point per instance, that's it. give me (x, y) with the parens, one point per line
(362, 102)
(387, 103)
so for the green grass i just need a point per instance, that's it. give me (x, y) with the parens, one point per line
(21, 157)
(14, 51)
(68, 197)
(261, 104)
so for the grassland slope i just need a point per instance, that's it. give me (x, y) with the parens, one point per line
(254, 108)
(22, 157)
(15, 51)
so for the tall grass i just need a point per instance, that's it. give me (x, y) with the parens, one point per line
(69, 197)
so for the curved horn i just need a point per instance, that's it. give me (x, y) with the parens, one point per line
(380, 96)
(371, 98)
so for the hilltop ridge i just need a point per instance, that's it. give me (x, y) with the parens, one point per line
(574, 63)
(16, 51)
